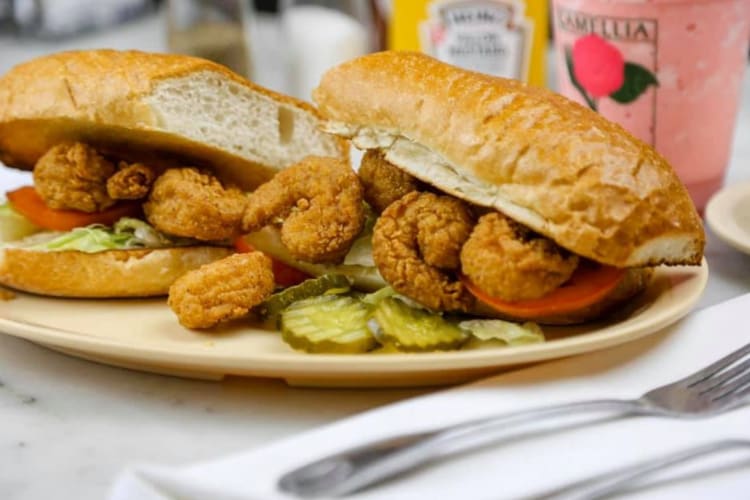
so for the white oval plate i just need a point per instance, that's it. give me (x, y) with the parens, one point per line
(144, 335)
(728, 214)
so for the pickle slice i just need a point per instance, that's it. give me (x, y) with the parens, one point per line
(374, 298)
(410, 329)
(328, 283)
(328, 324)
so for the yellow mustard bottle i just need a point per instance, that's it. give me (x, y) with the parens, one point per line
(499, 37)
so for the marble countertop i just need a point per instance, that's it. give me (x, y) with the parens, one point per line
(69, 426)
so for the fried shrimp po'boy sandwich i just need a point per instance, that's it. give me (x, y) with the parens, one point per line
(495, 199)
(140, 166)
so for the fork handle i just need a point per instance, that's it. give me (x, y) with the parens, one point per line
(471, 435)
(611, 482)
(360, 467)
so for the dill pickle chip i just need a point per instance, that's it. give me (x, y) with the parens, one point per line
(328, 324)
(328, 283)
(411, 329)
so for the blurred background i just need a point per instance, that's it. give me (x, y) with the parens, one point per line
(286, 45)
(283, 44)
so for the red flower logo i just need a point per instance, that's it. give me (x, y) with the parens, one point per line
(598, 65)
(597, 69)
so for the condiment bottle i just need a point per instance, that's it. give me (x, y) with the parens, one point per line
(669, 71)
(320, 34)
(499, 37)
(212, 30)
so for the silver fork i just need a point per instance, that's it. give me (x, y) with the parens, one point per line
(615, 481)
(720, 387)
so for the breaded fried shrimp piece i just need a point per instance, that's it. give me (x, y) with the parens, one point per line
(320, 202)
(74, 176)
(417, 242)
(186, 202)
(508, 261)
(223, 290)
(131, 182)
(383, 182)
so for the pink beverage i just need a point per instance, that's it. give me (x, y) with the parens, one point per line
(669, 71)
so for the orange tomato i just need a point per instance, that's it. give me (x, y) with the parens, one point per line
(284, 274)
(589, 284)
(28, 203)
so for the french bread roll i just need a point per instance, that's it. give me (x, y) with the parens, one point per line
(554, 166)
(164, 108)
(161, 110)
(113, 273)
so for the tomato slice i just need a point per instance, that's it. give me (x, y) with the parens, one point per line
(284, 274)
(29, 204)
(589, 284)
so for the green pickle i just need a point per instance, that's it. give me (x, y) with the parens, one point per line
(326, 284)
(415, 330)
(328, 324)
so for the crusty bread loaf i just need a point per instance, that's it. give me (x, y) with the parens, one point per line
(547, 162)
(114, 273)
(161, 107)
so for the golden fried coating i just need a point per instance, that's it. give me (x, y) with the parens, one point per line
(510, 262)
(186, 202)
(383, 182)
(131, 182)
(74, 176)
(222, 290)
(417, 242)
(320, 200)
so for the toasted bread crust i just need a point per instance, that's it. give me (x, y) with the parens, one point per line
(114, 273)
(103, 86)
(545, 161)
(101, 97)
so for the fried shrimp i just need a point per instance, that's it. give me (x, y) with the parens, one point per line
(320, 201)
(510, 262)
(131, 182)
(416, 244)
(186, 202)
(74, 176)
(382, 181)
(222, 290)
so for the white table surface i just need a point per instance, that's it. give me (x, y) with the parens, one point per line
(67, 426)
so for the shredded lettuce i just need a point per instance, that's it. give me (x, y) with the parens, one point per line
(127, 233)
(511, 334)
(360, 254)
(146, 235)
(89, 239)
(13, 225)
(268, 240)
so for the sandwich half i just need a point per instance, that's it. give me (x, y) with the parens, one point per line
(565, 213)
(141, 164)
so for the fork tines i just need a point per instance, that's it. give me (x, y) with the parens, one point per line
(729, 376)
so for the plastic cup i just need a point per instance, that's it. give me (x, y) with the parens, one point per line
(669, 71)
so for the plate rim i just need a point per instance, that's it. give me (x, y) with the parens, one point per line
(283, 365)
(725, 228)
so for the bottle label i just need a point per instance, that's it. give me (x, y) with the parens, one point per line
(609, 63)
(489, 36)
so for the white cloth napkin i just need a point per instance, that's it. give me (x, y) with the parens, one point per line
(520, 467)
